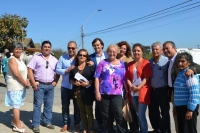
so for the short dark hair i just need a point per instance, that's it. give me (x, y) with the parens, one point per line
(98, 39)
(139, 45)
(170, 42)
(17, 45)
(46, 42)
(184, 55)
(8, 54)
(128, 49)
(87, 58)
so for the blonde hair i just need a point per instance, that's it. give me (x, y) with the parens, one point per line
(113, 46)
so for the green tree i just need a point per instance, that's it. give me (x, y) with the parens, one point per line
(147, 53)
(12, 29)
(58, 52)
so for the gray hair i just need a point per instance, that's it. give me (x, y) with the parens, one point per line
(188, 57)
(113, 46)
(17, 45)
(6, 50)
(157, 44)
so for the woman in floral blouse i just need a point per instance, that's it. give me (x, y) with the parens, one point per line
(109, 82)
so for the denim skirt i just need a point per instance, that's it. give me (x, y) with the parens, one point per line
(15, 99)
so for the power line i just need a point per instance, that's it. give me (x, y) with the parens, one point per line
(144, 17)
(168, 15)
(155, 26)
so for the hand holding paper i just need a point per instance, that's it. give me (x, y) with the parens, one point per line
(81, 78)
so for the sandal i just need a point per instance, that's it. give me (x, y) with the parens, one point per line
(13, 125)
(23, 130)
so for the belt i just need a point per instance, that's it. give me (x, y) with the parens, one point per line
(159, 87)
(46, 83)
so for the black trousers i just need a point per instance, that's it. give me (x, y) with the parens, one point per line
(159, 109)
(98, 115)
(112, 103)
(186, 126)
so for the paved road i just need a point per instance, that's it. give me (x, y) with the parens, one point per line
(26, 113)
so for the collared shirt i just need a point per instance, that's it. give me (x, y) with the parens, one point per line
(99, 58)
(159, 70)
(43, 71)
(170, 69)
(64, 62)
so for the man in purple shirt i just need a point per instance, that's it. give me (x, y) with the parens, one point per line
(41, 72)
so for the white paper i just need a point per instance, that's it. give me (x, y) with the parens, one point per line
(137, 82)
(80, 77)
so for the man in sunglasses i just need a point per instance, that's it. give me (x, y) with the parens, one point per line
(64, 66)
(41, 72)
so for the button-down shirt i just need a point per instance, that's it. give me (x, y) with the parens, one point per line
(170, 69)
(64, 62)
(159, 70)
(44, 70)
(99, 58)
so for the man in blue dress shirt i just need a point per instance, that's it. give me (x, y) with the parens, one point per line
(64, 66)
(159, 107)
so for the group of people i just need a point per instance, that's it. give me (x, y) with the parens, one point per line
(108, 77)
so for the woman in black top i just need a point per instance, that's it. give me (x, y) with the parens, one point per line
(84, 91)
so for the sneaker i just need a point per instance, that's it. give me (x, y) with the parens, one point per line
(36, 130)
(50, 126)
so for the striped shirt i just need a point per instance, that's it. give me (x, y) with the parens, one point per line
(186, 90)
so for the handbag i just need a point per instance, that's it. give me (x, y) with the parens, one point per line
(126, 110)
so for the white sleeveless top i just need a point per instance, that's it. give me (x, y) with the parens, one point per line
(12, 83)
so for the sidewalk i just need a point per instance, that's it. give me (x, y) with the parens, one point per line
(26, 113)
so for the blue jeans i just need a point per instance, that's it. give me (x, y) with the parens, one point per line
(66, 94)
(140, 109)
(44, 93)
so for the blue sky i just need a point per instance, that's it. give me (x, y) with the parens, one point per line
(60, 21)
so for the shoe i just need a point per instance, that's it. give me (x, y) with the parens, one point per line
(154, 131)
(64, 128)
(13, 125)
(50, 126)
(36, 130)
(15, 129)
(78, 128)
(100, 128)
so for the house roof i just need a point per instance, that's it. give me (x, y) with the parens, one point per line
(27, 42)
(37, 45)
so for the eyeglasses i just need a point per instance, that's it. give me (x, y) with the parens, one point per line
(82, 55)
(72, 48)
(47, 64)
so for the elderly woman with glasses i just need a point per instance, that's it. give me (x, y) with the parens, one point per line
(17, 83)
(186, 95)
(81, 77)
(109, 82)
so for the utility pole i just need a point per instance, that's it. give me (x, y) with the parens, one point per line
(82, 27)
(82, 36)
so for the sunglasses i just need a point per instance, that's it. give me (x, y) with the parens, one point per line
(72, 48)
(82, 55)
(47, 64)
